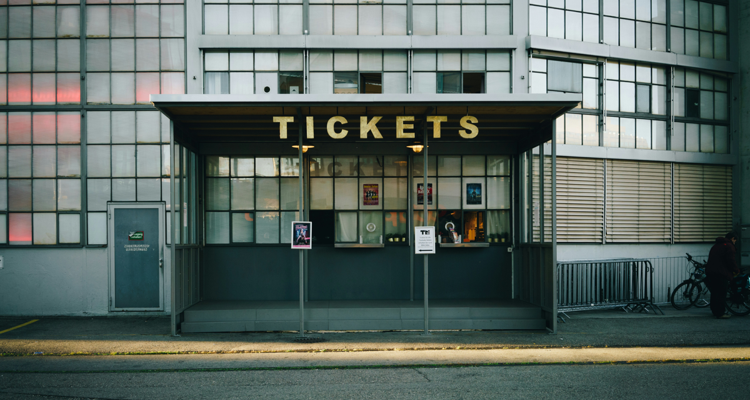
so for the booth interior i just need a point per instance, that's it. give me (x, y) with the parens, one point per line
(236, 191)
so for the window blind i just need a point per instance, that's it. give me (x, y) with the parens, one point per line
(580, 200)
(702, 202)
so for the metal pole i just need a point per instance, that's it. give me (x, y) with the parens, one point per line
(301, 252)
(173, 225)
(425, 199)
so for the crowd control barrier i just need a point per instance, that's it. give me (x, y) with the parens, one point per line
(605, 284)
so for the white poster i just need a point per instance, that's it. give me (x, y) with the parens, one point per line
(424, 240)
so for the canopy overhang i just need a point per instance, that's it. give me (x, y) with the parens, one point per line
(525, 120)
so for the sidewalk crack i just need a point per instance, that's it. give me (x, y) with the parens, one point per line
(423, 375)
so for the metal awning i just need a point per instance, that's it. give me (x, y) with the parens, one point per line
(525, 119)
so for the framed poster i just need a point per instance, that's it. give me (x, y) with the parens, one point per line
(301, 235)
(420, 194)
(370, 194)
(473, 193)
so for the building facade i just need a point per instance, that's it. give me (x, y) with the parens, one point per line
(643, 119)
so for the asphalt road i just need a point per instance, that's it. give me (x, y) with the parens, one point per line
(637, 381)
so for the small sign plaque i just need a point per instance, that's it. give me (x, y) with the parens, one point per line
(302, 235)
(137, 235)
(424, 240)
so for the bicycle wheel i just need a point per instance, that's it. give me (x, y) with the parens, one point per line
(741, 306)
(682, 297)
(703, 299)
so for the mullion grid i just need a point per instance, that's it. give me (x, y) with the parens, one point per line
(566, 10)
(279, 70)
(358, 70)
(252, 5)
(699, 121)
(56, 178)
(681, 24)
(32, 39)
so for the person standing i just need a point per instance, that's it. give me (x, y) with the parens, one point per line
(720, 269)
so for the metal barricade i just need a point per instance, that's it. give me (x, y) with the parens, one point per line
(605, 284)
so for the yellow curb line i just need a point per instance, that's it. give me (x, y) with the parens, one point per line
(19, 326)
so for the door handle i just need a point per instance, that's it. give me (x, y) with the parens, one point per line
(161, 263)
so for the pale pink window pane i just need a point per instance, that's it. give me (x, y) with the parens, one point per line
(44, 89)
(69, 161)
(68, 128)
(146, 84)
(19, 228)
(19, 127)
(44, 128)
(68, 89)
(173, 83)
(19, 89)
(3, 128)
(3, 89)
(97, 1)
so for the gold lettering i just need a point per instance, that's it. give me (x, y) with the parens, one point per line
(473, 130)
(310, 128)
(331, 132)
(436, 120)
(365, 127)
(400, 126)
(282, 125)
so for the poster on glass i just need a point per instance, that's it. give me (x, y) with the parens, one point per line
(420, 193)
(301, 235)
(370, 194)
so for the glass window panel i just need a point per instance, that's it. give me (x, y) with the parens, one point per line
(692, 137)
(98, 129)
(147, 20)
(217, 61)
(216, 83)
(643, 134)
(19, 227)
(677, 8)
(679, 102)
(346, 193)
(590, 28)
(424, 20)
(147, 51)
(123, 88)
(243, 229)
(627, 133)
(538, 19)
(590, 93)
(473, 165)
(721, 139)
(240, 20)
(720, 18)
(643, 73)
(627, 9)
(346, 166)
(659, 38)
(149, 160)
(692, 40)
(394, 20)
(146, 84)
(720, 47)
(371, 60)
(19, 22)
(659, 100)
(394, 82)
(97, 228)
(68, 127)
(123, 126)
(590, 131)
(98, 194)
(627, 33)
(148, 189)
(612, 132)
(449, 60)
(44, 196)
(290, 194)
(371, 220)
(472, 60)
(345, 20)
(217, 227)
(722, 107)
(19, 127)
(69, 161)
(573, 129)
(123, 161)
(172, 21)
(44, 161)
(643, 99)
(556, 23)
(678, 138)
(321, 194)
(97, 21)
(147, 124)
(267, 194)
(45, 228)
(43, 52)
(498, 192)
(19, 195)
(418, 165)
(346, 227)
(44, 22)
(321, 83)
(267, 224)
(266, 20)
(500, 17)
(498, 82)
(266, 61)
(573, 26)
(123, 189)
(217, 194)
(44, 89)
(472, 20)
(44, 127)
(449, 165)
(19, 161)
(370, 20)
(321, 60)
(627, 72)
(68, 194)
(450, 193)
(97, 88)
(659, 135)
(286, 225)
(677, 43)
(371, 166)
(241, 82)
(395, 194)
(290, 20)
(3, 167)
(707, 44)
(243, 194)
(123, 21)
(498, 165)
(706, 11)
(707, 104)
(266, 166)
(611, 29)
(424, 60)
(240, 166)
(290, 61)
(70, 228)
(321, 20)
(707, 138)
(642, 10)
(627, 97)
(692, 79)
(345, 60)
(565, 76)
(691, 14)
(424, 82)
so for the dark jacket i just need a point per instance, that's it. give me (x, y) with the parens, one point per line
(721, 259)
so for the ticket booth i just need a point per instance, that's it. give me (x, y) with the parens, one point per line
(245, 167)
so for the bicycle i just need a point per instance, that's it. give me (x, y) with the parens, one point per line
(738, 295)
(692, 291)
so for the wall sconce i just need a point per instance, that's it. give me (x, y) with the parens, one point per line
(304, 147)
(416, 145)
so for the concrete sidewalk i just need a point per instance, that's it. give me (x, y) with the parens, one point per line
(592, 329)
